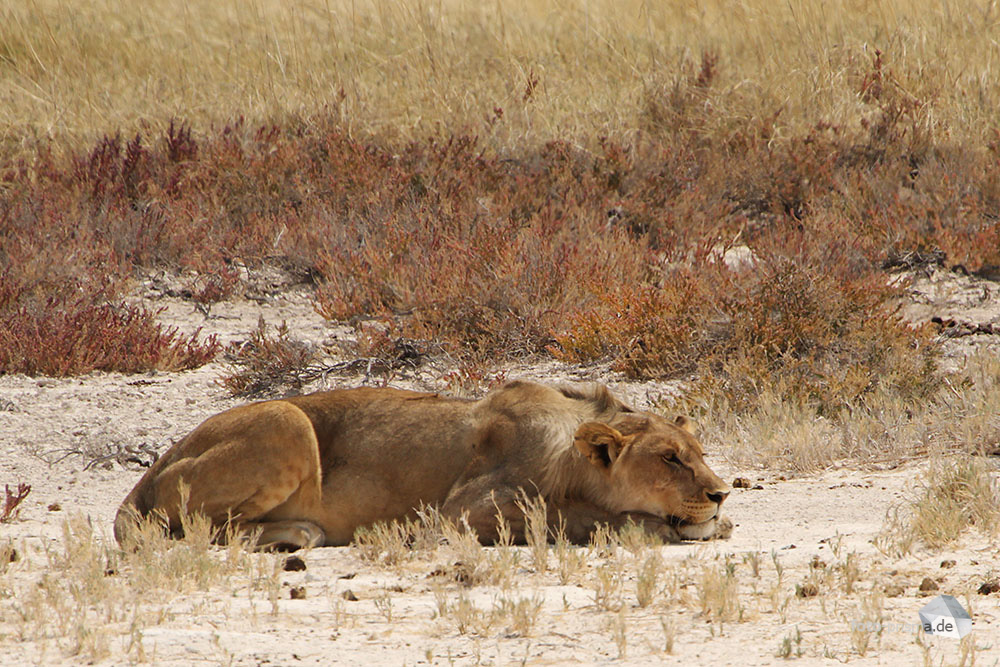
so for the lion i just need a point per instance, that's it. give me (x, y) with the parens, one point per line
(311, 470)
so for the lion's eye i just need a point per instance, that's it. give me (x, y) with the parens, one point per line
(672, 459)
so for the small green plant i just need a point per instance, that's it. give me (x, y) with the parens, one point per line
(474, 566)
(779, 569)
(837, 544)
(861, 637)
(519, 615)
(386, 543)
(467, 617)
(536, 530)
(791, 645)
(604, 541)
(669, 634)
(648, 577)
(752, 558)
(870, 622)
(505, 558)
(618, 628)
(850, 572)
(570, 558)
(636, 540)
(383, 603)
(609, 581)
(718, 594)
(967, 651)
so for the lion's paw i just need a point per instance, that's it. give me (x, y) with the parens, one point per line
(290, 536)
(723, 529)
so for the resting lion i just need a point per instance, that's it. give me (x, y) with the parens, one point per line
(311, 470)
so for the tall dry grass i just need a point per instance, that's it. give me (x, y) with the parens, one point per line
(513, 72)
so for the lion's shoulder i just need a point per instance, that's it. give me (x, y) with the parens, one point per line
(589, 400)
(597, 396)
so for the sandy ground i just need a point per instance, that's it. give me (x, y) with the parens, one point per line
(79, 443)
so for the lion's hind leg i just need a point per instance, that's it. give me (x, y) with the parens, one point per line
(258, 469)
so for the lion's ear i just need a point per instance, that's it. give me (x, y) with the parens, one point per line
(686, 424)
(600, 443)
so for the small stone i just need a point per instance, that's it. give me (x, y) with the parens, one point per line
(741, 483)
(294, 564)
(349, 595)
(817, 563)
(807, 589)
(894, 590)
(54, 507)
(928, 585)
(988, 587)
(947, 563)
(297, 593)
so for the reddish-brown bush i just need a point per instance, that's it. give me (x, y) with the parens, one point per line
(69, 337)
(264, 364)
(613, 254)
(12, 501)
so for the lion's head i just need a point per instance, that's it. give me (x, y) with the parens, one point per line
(656, 467)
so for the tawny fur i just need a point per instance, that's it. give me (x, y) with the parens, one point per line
(311, 470)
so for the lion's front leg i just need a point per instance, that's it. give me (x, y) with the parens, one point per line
(579, 520)
(720, 528)
(482, 506)
(723, 529)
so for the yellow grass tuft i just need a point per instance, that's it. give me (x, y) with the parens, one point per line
(953, 496)
(514, 72)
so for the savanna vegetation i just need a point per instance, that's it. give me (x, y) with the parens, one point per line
(716, 192)
(731, 194)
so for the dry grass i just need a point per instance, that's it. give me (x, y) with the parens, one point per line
(519, 72)
(92, 600)
(502, 181)
(956, 415)
(953, 496)
(719, 594)
(596, 245)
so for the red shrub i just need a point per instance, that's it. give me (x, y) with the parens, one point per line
(73, 337)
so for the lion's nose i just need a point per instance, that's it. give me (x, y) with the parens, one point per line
(718, 496)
